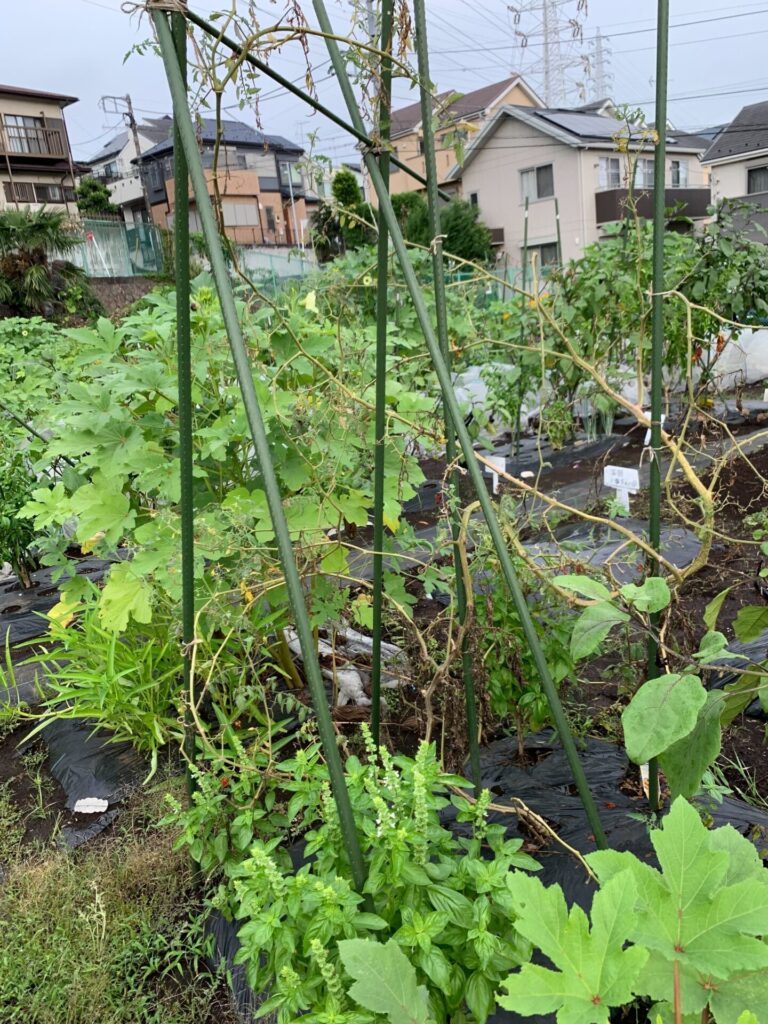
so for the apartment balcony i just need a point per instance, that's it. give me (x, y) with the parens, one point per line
(35, 144)
(611, 203)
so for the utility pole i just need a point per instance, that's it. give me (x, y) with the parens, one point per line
(296, 239)
(123, 105)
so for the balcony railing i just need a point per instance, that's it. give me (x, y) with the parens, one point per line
(611, 204)
(18, 140)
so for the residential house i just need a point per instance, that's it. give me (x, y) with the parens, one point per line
(259, 178)
(36, 167)
(568, 162)
(463, 116)
(738, 161)
(113, 165)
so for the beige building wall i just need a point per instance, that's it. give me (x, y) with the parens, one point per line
(407, 147)
(494, 177)
(729, 181)
(246, 210)
(53, 115)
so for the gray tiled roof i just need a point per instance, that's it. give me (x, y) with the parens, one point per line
(747, 133)
(235, 133)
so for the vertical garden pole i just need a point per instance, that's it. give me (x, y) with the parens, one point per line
(473, 467)
(559, 238)
(657, 343)
(523, 300)
(441, 315)
(382, 312)
(183, 120)
(184, 373)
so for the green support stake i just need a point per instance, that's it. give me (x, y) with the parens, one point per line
(438, 274)
(183, 121)
(184, 373)
(523, 300)
(657, 342)
(382, 312)
(473, 467)
(559, 238)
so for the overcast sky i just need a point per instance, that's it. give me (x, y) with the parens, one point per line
(716, 53)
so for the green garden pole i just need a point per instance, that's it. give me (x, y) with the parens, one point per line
(382, 313)
(184, 373)
(559, 239)
(473, 467)
(523, 300)
(657, 341)
(438, 274)
(186, 129)
(358, 132)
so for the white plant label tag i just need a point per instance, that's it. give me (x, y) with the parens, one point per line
(765, 395)
(90, 805)
(624, 481)
(498, 462)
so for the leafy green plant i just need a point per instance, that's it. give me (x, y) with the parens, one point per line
(512, 679)
(442, 899)
(671, 717)
(16, 534)
(29, 281)
(687, 936)
(557, 422)
(384, 980)
(127, 684)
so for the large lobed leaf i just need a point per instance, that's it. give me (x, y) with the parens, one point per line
(593, 970)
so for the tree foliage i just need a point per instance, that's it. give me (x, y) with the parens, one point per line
(32, 280)
(93, 197)
(465, 235)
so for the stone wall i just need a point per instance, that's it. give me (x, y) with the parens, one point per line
(117, 293)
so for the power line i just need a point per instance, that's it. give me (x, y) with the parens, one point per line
(615, 35)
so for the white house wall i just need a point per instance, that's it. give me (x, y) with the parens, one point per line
(494, 175)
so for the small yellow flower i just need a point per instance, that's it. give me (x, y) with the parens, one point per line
(367, 280)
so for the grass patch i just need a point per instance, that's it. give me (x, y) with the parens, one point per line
(109, 935)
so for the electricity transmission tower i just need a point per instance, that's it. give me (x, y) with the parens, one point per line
(550, 34)
(600, 62)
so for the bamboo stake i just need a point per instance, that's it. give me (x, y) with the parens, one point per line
(438, 275)
(382, 312)
(293, 584)
(184, 374)
(473, 467)
(657, 344)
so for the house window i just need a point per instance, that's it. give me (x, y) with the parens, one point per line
(644, 172)
(155, 176)
(243, 214)
(25, 192)
(537, 183)
(24, 133)
(757, 180)
(49, 193)
(546, 254)
(421, 146)
(473, 198)
(679, 176)
(270, 214)
(290, 171)
(610, 172)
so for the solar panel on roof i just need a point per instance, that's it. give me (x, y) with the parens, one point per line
(592, 125)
